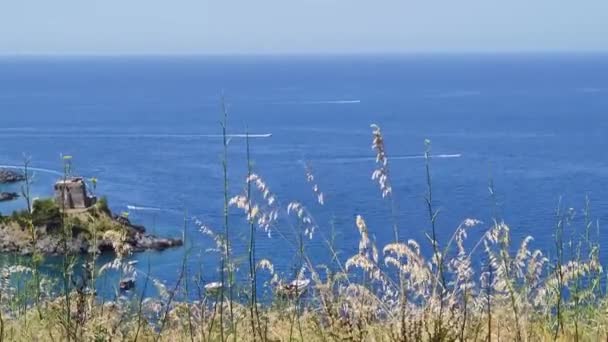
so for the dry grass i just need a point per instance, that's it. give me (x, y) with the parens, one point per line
(404, 291)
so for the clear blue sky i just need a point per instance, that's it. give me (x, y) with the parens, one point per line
(300, 26)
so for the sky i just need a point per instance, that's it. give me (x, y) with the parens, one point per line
(300, 26)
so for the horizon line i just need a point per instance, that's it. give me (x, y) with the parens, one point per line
(306, 53)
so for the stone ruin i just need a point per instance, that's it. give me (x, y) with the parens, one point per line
(72, 192)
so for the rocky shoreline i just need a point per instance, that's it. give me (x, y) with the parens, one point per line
(10, 176)
(139, 240)
(8, 196)
(92, 226)
(15, 237)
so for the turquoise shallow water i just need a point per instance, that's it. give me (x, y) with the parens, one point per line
(148, 129)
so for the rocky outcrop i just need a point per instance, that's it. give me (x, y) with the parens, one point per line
(144, 242)
(10, 176)
(15, 237)
(52, 244)
(141, 241)
(8, 196)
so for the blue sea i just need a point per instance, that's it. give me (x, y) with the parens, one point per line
(148, 128)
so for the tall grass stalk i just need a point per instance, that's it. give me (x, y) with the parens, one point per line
(141, 301)
(187, 250)
(519, 296)
(226, 263)
(36, 258)
(559, 272)
(382, 175)
(441, 286)
(253, 305)
(505, 243)
(66, 234)
(172, 294)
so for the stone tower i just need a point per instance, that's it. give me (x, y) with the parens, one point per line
(73, 192)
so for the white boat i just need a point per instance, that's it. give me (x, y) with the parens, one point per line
(294, 289)
(213, 288)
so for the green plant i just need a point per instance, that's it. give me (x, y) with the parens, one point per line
(102, 205)
(45, 212)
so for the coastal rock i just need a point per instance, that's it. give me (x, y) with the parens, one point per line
(140, 240)
(15, 237)
(144, 242)
(10, 176)
(127, 223)
(81, 244)
(8, 196)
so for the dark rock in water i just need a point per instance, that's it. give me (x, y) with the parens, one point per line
(143, 242)
(122, 220)
(8, 196)
(138, 228)
(127, 223)
(10, 176)
(127, 284)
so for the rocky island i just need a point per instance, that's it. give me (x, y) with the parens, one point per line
(10, 176)
(8, 196)
(87, 224)
(6, 177)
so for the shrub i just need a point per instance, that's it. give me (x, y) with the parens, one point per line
(45, 212)
(21, 217)
(102, 205)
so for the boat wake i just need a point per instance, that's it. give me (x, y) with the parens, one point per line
(38, 169)
(137, 208)
(135, 136)
(457, 93)
(337, 102)
(372, 159)
(455, 155)
(151, 209)
(591, 90)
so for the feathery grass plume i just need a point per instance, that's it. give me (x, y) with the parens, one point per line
(380, 174)
(512, 294)
(214, 290)
(265, 264)
(7, 287)
(366, 247)
(463, 284)
(304, 217)
(254, 314)
(306, 227)
(310, 178)
(367, 258)
(264, 213)
(516, 282)
(220, 243)
(417, 276)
